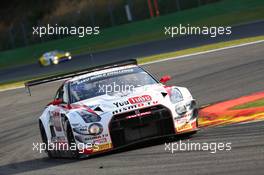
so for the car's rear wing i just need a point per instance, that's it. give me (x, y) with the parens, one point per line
(77, 73)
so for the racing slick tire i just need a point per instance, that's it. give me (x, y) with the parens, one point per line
(71, 141)
(44, 139)
(40, 64)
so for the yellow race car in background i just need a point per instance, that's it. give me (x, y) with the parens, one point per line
(54, 57)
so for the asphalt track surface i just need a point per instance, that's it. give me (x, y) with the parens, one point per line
(211, 77)
(131, 52)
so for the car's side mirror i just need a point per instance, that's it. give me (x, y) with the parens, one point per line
(57, 101)
(165, 78)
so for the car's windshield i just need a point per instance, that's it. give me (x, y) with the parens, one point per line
(50, 54)
(124, 80)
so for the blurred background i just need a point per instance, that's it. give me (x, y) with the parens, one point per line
(18, 17)
(128, 29)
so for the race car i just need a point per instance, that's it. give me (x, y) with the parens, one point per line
(54, 57)
(110, 107)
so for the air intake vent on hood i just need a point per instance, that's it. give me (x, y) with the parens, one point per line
(164, 94)
(98, 109)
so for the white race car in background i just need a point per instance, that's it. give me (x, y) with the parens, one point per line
(88, 116)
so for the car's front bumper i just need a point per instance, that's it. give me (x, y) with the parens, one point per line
(125, 130)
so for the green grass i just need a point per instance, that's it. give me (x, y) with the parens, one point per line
(11, 85)
(226, 12)
(258, 103)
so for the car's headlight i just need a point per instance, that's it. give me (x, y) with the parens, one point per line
(55, 60)
(93, 129)
(89, 117)
(67, 54)
(175, 96)
(180, 109)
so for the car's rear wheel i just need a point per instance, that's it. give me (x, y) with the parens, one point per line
(71, 141)
(44, 139)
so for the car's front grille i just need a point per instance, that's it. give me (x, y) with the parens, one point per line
(139, 124)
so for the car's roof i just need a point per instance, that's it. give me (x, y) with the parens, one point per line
(107, 70)
(54, 51)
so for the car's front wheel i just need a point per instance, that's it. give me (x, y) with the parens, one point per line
(40, 64)
(44, 139)
(71, 141)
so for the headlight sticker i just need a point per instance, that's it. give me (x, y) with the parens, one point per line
(176, 95)
(89, 117)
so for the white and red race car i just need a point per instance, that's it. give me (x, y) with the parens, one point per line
(109, 107)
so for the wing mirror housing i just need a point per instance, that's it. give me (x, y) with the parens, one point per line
(57, 101)
(165, 78)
